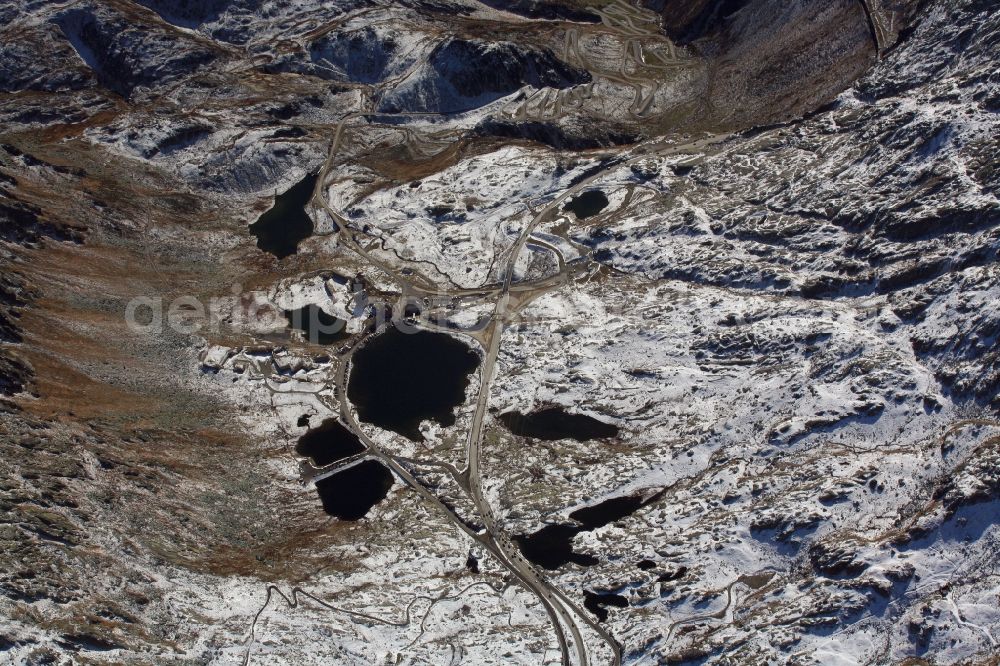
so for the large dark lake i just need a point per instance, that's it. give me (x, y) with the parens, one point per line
(401, 378)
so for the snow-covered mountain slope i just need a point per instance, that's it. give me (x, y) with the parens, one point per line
(728, 270)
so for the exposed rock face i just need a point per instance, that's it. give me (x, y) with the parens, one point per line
(475, 68)
(22, 224)
(14, 372)
(465, 74)
(124, 57)
(976, 482)
(193, 13)
(542, 9)
(365, 55)
(362, 56)
(837, 557)
(570, 137)
(21, 70)
(688, 20)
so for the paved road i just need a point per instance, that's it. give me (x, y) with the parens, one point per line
(643, 43)
(510, 298)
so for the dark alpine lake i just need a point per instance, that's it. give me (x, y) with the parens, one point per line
(281, 229)
(554, 423)
(351, 493)
(328, 443)
(552, 546)
(320, 328)
(401, 378)
(587, 204)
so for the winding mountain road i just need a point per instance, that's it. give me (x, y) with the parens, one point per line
(510, 296)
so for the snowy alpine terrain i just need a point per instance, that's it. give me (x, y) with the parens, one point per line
(481, 332)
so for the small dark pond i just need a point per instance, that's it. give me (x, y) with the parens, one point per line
(607, 512)
(597, 603)
(328, 443)
(399, 379)
(588, 204)
(281, 229)
(350, 494)
(320, 328)
(554, 423)
(552, 546)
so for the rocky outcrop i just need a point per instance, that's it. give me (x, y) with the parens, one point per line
(542, 9)
(363, 55)
(687, 20)
(566, 137)
(124, 56)
(838, 556)
(15, 373)
(193, 13)
(23, 223)
(465, 74)
(366, 55)
(23, 68)
(977, 481)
